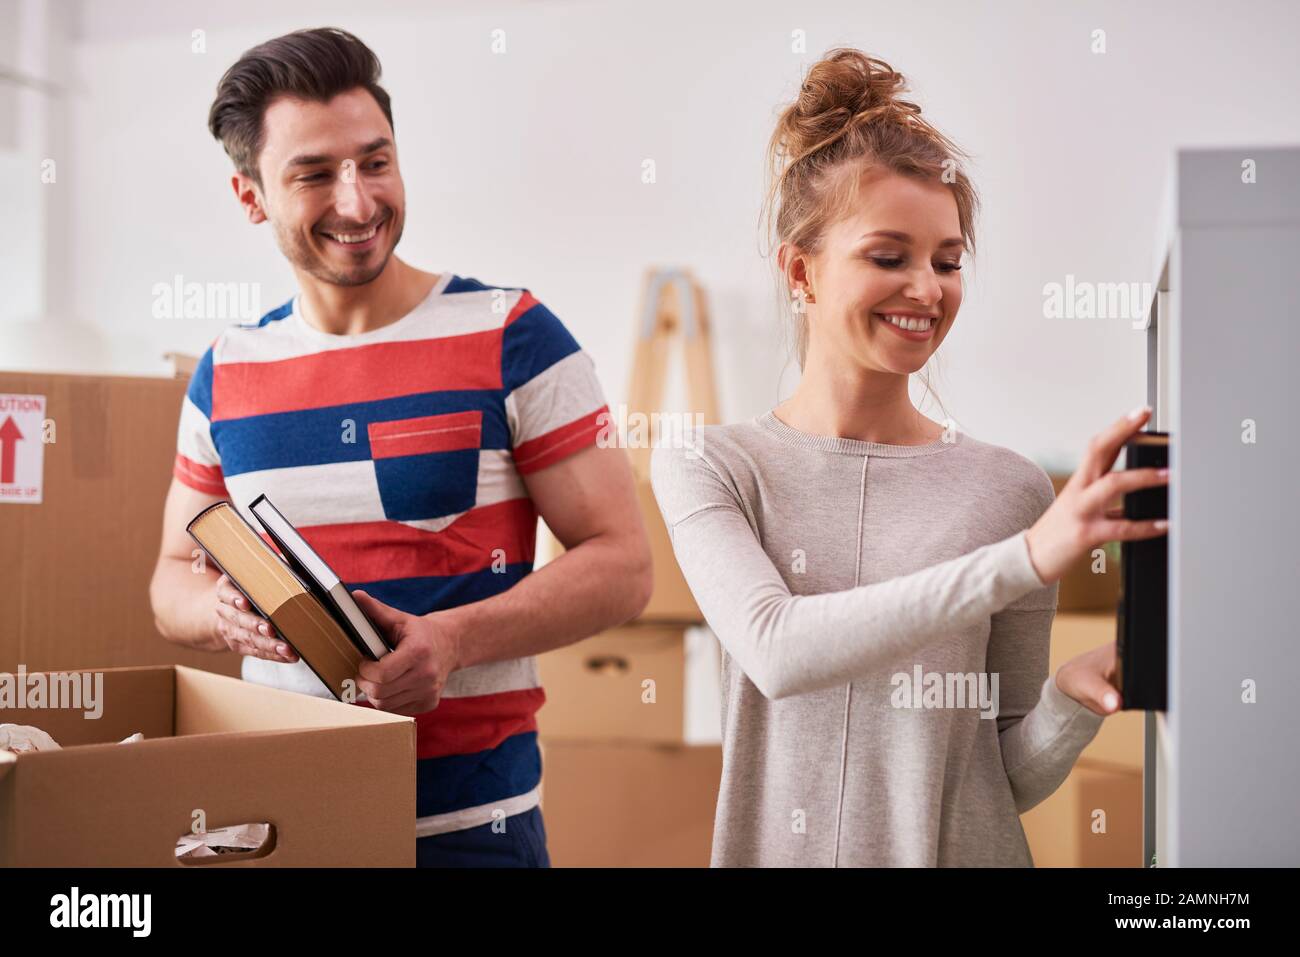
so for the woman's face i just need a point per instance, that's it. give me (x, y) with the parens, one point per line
(898, 254)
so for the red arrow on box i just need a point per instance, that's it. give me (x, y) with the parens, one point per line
(9, 436)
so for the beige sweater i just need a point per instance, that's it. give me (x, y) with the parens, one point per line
(886, 699)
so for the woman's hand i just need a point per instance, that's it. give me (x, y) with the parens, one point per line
(1079, 520)
(1090, 680)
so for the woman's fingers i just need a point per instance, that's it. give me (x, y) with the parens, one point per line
(1103, 448)
(1087, 679)
(1097, 496)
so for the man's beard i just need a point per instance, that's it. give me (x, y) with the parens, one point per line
(297, 250)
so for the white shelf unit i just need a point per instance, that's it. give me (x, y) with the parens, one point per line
(1222, 776)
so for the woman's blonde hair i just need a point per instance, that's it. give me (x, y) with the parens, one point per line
(849, 115)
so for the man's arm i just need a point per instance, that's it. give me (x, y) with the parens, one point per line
(603, 579)
(183, 599)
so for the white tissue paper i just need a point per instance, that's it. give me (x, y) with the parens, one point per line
(20, 738)
(222, 840)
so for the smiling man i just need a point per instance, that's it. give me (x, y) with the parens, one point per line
(413, 426)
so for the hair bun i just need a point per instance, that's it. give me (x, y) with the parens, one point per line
(844, 88)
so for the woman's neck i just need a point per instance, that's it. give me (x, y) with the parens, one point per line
(868, 406)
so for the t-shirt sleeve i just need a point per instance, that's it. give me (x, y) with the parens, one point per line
(197, 463)
(554, 402)
(791, 644)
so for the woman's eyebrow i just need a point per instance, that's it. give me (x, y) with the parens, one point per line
(905, 238)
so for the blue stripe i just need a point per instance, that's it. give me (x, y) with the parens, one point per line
(532, 344)
(461, 781)
(461, 284)
(279, 312)
(317, 436)
(200, 387)
(420, 596)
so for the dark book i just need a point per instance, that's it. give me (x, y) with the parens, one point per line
(1142, 629)
(293, 588)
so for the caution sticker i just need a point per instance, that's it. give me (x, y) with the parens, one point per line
(22, 448)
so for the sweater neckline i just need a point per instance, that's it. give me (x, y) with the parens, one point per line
(831, 443)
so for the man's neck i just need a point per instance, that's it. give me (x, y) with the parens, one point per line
(349, 310)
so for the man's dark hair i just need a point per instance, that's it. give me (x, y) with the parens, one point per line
(308, 64)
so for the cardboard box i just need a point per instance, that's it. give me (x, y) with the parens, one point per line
(609, 805)
(1119, 741)
(77, 564)
(1093, 820)
(646, 683)
(336, 782)
(671, 602)
(1093, 583)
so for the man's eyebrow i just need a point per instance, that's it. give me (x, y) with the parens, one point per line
(317, 159)
(905, 238)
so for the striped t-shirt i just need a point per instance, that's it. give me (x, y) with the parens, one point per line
(398, 454)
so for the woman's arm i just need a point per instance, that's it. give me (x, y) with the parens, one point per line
(791, 644)
(1041, 730)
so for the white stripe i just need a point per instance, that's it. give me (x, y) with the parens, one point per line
(438, 317)
(565, 392)
(330, 494)
(475, 816)
(339, 493)
(493, 677)
(194, 435)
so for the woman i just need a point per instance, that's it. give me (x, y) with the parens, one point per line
(883, 587)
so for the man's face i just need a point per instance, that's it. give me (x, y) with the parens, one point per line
(331, 187)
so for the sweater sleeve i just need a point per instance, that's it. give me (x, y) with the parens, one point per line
(792, 644)
(1041, 729)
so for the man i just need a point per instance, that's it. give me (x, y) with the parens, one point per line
(412, 426)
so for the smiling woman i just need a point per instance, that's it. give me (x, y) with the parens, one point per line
(842, 542)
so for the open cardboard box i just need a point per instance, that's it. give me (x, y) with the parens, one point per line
(336, 782)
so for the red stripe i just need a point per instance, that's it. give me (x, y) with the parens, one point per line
(552, 446)
(478, 723)
(526, 302)
(381, 551)
(448, 432)
(382, 370)
(202, 478)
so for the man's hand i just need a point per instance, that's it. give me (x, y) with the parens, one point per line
(1090, 679)
(244, 631)
(408, 680)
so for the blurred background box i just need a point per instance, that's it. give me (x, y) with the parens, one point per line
(629, 805)
(1060, 829)
(642, 683)
(77, 565)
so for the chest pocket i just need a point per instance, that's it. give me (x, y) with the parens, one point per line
(427, 467)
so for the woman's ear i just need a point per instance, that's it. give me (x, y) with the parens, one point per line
(794, 264)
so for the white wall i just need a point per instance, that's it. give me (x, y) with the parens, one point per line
(524, 169)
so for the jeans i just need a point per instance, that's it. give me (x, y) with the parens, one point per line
(522, 843)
